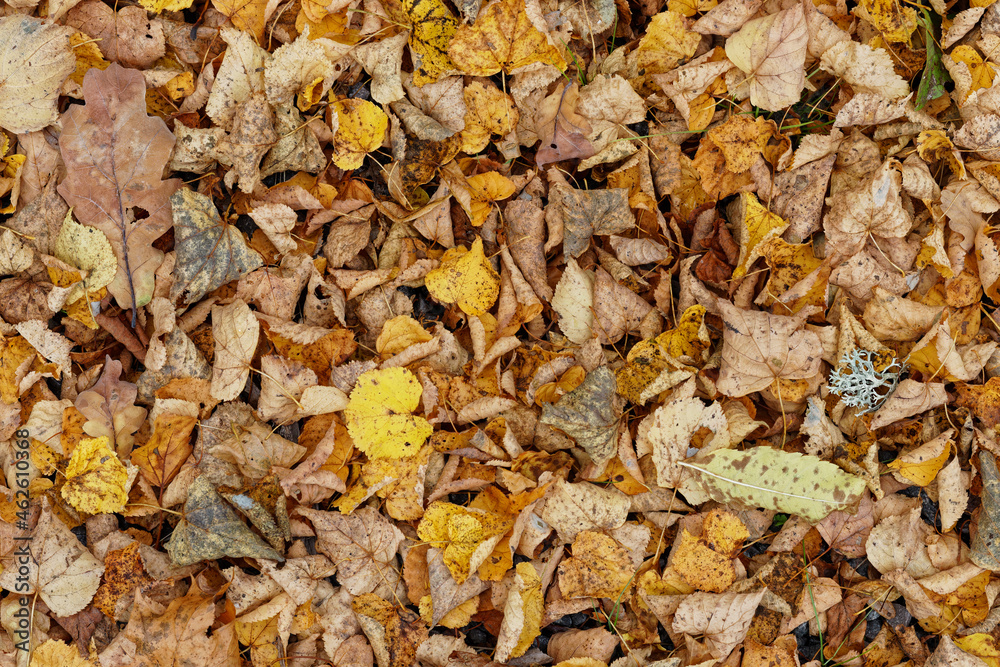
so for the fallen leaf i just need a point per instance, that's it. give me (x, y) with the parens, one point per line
(771, 52)
(465, 278)
(361, 129)
(502, 39)
(379, 416)
(112, 129)
(37, 60)
(95, 478)
(236, 331)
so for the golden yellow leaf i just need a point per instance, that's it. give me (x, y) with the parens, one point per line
(167, 450)
(247, 15)
(789, 264)
(895, 21)
(933, 145)
(467, 278)
(600, 568)
(56, 653)
(157, 6)
(379, 415)
(690, 7)
(399, 333)
(88, 55)
(14, 352)
(982, 72)
(756, 226)
(433, 27)
(666, 44)
(522, 614)
(95, 478)
(741, 139)
(702, 111)
(502, 38)
(922, 465)
(467, 536)
(489, 111)
(361, 130)
(486, 189)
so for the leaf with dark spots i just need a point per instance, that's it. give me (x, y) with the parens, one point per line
(210, 529)
(986, 543)
(589, 414)
(210, 252)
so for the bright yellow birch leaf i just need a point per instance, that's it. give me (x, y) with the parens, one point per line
(922, 465)
(754, 227)
(522, 617)
(502, 38)
(379, 415)
(467, 278)
(488, 111)
(361, 130)
(485, 189)
(466, 535)
(982, 72)
(433, 26)
(14, 351)
(95, 478)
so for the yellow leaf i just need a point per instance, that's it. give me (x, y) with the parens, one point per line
(789, 264)
(891, 18)
(922, 465)
(502, 38)
(933, 145)
(95, 478)
(467, 278)
(600, 567)
(379, 415)
(14, 352)
(982, 72)
(467, 536)
(486, 189)
(361, 130)
(88, 249)
(400, 333)
(666, 44)
(756, 226)
(157, 6)
(527, 605)
(247, 15)
(489, 111)
(690, 7)
(981, 645)
(88, 55)
(701, 112)
(742, 139)
(433, 27)
(56, 653)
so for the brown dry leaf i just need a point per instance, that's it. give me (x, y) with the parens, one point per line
(236, 331)
(127, 36)
(110, 410)
(115, 155)
(723, 619)
(362, 546)
(771, 52)
(872, 211)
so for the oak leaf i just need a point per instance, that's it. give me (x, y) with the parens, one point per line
(110, 409)
(127, 36)
(115, 156)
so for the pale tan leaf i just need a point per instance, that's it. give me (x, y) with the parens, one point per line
(771, 51)
(236, 332)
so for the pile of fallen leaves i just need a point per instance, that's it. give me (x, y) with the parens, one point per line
(524, 332)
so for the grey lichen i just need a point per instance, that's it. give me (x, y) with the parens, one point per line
(861, 384)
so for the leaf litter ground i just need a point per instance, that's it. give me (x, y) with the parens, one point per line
(399, 332)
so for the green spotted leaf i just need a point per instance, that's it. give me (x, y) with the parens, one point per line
(788, 482)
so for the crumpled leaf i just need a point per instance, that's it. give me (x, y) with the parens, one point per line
(467, 535)
(722, 618)
(95, 478)
(600, 567)
(873, 210)
(115, 155)
(986, 544)
(209, 529)
(788, 482)
(379, 416)
(588, 213)
(522, 614)
(110, 409)
(589, 414)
